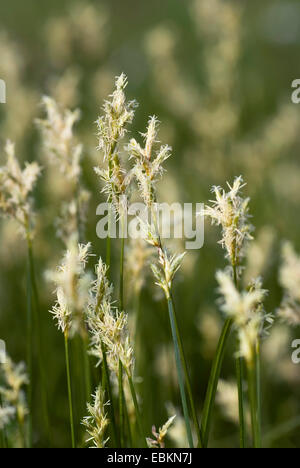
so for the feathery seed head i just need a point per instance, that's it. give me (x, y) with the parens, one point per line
(108, 325)
(16, 186)
(59, 142)
(118, 113)
(72, 288)
(159, 441)
(246, 309)
(167, 269)
(15, 377)
(148, 166)
(97, 421)
(231, 211)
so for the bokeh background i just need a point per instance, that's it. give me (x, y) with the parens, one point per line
(218, 75)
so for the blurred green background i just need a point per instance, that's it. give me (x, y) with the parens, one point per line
(218, 75)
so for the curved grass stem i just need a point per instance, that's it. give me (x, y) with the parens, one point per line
(253, 398)
(121, 404)
(136, 407)
(240, 380)
(213, 381)
(107, 386)
(180, 372)
(67, 356)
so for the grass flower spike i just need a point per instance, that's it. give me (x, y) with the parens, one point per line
(246, 310)
(7, 413)
(16, 186)
(13, 396)
(159, 441)
(230, 211)
(60, 145)
(148, 162)
(112, 127)
(108, 325)
(63, 150)
(148, 167)
(72, 285)
(97, 421)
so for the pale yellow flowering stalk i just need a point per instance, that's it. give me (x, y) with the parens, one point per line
(72, 284)
(289, 277)
(108, 325)
(231, 212)
(148, 161)
(138, 257)
(16, 186)
(160, 435)
(13, 396)
(16, 120)
(246, 310)
(110, 342)
(80, 32)
(65, 152)
(60, 145)
(97, 421)
(112, 127)
(148, 168)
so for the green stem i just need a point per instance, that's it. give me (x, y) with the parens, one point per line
(87, 368)
(179, 367)
(182, 364)
(107, 386)
(121, 404)
(187, 380)
(258, 388)
(252, 384)
(127, 420)
(136, 407)
(213, 381)
(29, 351)
(240, 379)
(121, 298)
(35, 317)
(69, 390)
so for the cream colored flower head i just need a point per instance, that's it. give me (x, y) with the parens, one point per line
(230, 210)
(246, 310)
(166, 270)
(117, 114)
(97, 422)
(108, 325)
(112, 127)
(148, 160)
(16, 185)
(72, 288)
(59, 142)
(159, 440)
